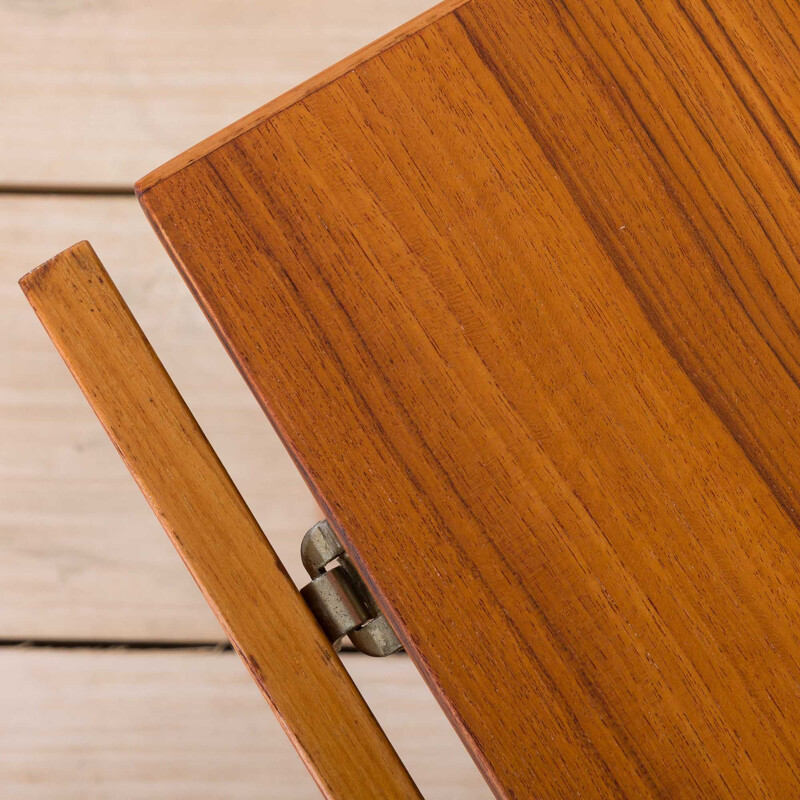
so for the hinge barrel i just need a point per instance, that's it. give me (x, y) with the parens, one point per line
(339, 598)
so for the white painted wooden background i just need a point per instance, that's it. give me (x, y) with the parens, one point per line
(94, 94)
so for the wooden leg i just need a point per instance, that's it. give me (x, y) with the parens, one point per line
(213, 530)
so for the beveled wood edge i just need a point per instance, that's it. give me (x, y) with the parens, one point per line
(147, 420)
(289, 98)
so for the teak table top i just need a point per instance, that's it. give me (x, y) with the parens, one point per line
(519, 288)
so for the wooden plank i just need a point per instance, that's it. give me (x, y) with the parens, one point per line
(94, 94)
(520, 293)
(137, 725)
(81, 555)
(213, 530)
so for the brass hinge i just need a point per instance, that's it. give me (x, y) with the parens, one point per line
(339, 598)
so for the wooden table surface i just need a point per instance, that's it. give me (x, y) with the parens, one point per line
(518, 287)
(174, 724)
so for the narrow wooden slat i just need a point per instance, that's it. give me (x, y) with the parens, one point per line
(212, 529)
(167, 725)
(81, 555)
(95, 94)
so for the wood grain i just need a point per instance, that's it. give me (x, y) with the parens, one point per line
(520, 293)
(174, 724)
(213, 530)
(81, 555)
(94, 94)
